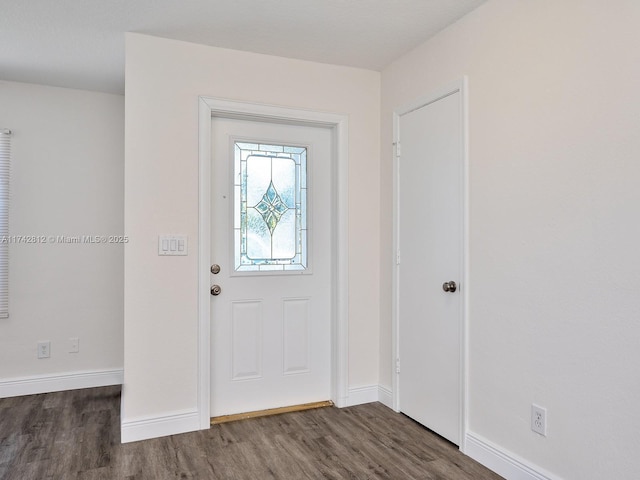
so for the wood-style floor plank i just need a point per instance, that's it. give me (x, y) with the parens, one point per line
(75, 435)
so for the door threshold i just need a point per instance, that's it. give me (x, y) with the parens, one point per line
(271, 411)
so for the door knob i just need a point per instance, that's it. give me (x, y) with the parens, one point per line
(449, 286)
(215, 268)
(215, 290)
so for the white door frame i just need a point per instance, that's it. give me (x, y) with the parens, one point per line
(458, 86)
(217, 107)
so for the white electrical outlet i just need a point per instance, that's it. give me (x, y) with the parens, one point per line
(539, 420)
(74, 345)
(44, 349)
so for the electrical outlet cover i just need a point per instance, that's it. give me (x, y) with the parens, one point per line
(44, 349)
(539, 420)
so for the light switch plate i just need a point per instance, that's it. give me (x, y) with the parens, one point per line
(172, 245)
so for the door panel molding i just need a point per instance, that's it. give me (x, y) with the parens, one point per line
(296, 349)
(246, 339)
(216, 107)
(459, 86)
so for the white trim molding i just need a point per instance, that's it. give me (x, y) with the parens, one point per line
(385, 396)
(503, 462)
(216, 107)
(364, 394)
(369, 394)
(57, 382)
(153, 427)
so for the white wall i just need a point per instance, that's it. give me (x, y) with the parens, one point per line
(67, 179)
(163, 81)
(554, 224)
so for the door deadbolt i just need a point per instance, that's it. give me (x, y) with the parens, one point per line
(215, 268)
(449, 286)
(215, 290)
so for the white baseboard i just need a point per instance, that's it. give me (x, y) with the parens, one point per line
(153, 427)
(182, 422)
(385, 396)
(503, 462)
(368, 394)
(15, 387)
(360, 395)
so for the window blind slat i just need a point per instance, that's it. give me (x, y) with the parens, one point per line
(5, 167)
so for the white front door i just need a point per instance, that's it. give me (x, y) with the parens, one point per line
(430, 244)
(271, 231)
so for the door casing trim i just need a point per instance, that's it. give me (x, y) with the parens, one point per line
(454, 87)
(217, 107)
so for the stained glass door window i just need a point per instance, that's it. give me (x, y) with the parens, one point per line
(270, 203)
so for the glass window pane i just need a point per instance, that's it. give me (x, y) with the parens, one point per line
(271, 148)
(270, 205)
(258, 236)
(258, 178)
(284, 237)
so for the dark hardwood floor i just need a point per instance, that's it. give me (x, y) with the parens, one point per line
(76, 435)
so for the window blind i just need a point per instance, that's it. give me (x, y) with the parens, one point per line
(5, 170)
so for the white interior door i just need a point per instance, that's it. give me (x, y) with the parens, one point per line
(271, 237)
(430, 241)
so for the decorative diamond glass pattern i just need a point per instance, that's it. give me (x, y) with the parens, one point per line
(271, 207)
(270, 198)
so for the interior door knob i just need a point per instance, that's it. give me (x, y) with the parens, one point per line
(215, 290)
(449, 286)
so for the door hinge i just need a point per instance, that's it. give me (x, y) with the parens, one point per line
(398, 149)
(397, 365)
(398, 257)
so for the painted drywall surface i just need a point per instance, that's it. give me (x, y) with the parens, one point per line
(554, 208)
(163, 81)
(67, 180)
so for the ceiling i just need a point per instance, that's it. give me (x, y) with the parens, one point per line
(80, 43)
